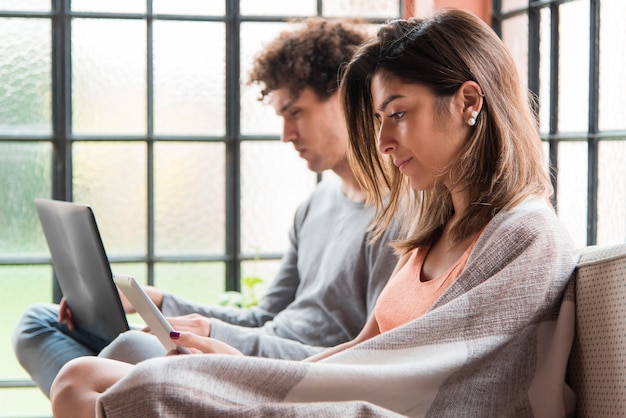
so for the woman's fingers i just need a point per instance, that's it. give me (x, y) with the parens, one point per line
(202, 344)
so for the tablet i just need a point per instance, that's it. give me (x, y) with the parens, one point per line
(148, 311)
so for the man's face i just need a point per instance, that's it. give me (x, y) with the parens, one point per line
(315, 128)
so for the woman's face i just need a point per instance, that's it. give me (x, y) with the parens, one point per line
(421, 141)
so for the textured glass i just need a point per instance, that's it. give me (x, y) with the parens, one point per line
(25, 173)
(278, 7)
(513, 4)
(24, 5)
(189, 7)
(138, 270)
(612, 192)
(544, 71)
(612, 64)
(266, 270)
(22, 286)
(24, 402)
(274, 180)
(111, 6)
(189, 197)
(108, 76)
(256, 117)
(515, 36)
(572, 189)
(361, 8)
(111, 178)
(25, 76)
(200, 282)
(189, 84)
(574, 67)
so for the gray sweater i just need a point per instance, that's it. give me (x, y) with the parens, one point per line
(325, 290)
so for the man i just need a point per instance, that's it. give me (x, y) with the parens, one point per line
(330, 276)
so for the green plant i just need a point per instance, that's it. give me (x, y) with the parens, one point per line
(246, 298)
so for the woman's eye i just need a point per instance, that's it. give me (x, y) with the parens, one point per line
(396, 115)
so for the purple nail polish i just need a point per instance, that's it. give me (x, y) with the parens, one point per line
(174, 335)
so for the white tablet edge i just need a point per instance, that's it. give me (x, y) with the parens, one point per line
(148, 311)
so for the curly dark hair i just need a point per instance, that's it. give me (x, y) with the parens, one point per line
(309, 56)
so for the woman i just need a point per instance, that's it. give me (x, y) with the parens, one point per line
(477, 319)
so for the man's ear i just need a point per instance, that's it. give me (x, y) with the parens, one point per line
(471, 96)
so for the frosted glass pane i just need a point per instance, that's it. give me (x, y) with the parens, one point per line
(544, 71)
(112, 6)
(189, 197)
(361, 8)
(572, 189)
(278, 7)
(111, 177)
(25, 5)
(189, 84)
(263, 269)
(25, 76)
(22, 287)
(109, 76)
(138, 270)
(189, 7)
(513, 4)
(257, 117)
(574, 67)
(612, 64)
(515, 36)
(612, 192)
(25, 173)
(24, 402)
(274, 180)
(200, 282)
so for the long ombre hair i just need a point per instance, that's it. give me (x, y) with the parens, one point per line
(502, 162)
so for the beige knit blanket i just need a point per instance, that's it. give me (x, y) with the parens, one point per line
(495, 344)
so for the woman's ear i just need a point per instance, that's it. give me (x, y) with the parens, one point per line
(471, 96)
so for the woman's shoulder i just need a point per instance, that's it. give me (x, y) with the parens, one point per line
(533, 219)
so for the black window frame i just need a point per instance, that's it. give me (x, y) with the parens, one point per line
(62, 138)
(593, 137)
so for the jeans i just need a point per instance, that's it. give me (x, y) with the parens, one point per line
(42, 345)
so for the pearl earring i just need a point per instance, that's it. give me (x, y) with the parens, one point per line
(472, 121)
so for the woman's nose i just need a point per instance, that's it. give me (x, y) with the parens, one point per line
(385, 143)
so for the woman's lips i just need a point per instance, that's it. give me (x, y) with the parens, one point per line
(401, 164)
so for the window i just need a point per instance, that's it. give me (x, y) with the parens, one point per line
(137, 108)
(571, 54)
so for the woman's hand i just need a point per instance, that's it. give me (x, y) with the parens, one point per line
(65, 314)
(194, 323)
(199, 345)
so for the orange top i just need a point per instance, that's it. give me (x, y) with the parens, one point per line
(407, 297)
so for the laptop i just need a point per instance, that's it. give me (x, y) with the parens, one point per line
(83, 272)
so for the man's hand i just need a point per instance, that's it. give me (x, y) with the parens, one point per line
(153, 293)
(65, 314)
(199, 345)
